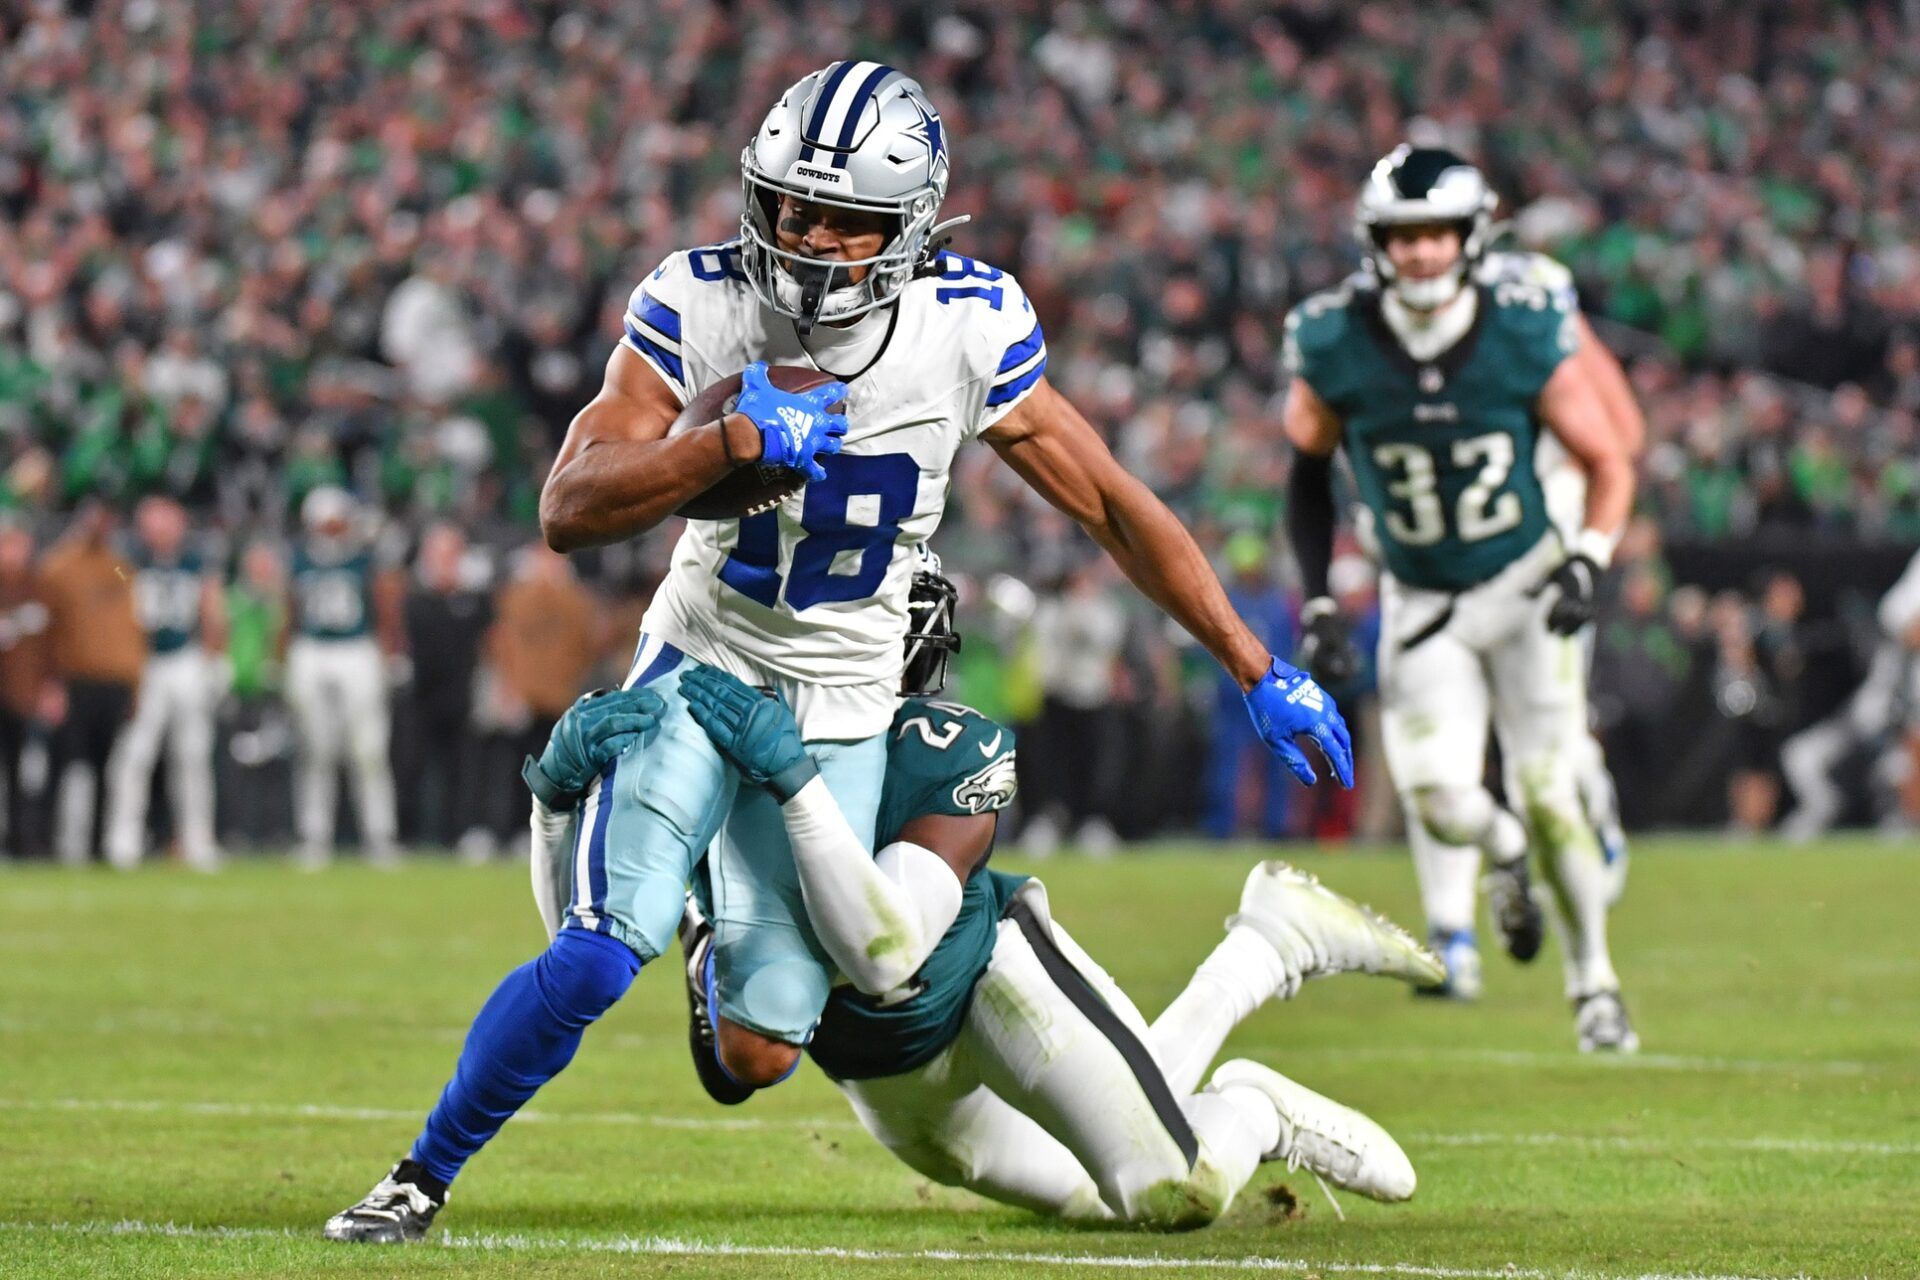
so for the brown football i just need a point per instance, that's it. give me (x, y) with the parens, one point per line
(750, 489)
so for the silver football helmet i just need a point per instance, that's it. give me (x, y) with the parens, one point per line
(859, 135)
(1419, 185)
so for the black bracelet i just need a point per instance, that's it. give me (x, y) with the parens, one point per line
(726, 446)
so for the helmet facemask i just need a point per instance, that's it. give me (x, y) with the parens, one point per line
(822, 291)
(931, 639)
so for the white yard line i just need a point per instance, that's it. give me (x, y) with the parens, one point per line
(309, 1111)
(1759, 1143)
(1604, 1142)
(1601, 1062)
(670, 1246)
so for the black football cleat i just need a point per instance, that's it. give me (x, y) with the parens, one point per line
(696, 944)
(1516, 915)
(398, 1210)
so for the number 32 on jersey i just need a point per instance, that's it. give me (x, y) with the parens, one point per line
(1484, 508)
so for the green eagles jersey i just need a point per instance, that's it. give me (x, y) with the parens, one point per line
(166, 597)
(334, 597)
(942, 758)
(1442, 451)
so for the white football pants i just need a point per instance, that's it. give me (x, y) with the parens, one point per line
(1482, 657)
(1051, 1100)
(337, 692)
(174, 705)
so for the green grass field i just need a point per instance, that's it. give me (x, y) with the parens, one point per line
(195, 1072)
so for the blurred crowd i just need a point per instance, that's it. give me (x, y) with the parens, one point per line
(254, 248)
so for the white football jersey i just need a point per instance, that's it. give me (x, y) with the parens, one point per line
(1561, 478)
(813, 594)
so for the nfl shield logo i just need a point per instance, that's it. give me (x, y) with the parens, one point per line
(1430, 380)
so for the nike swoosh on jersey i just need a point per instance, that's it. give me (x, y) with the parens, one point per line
(988, 748)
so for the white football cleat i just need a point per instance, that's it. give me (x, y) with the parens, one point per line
(1317, 931)
(1600, 1020)
(1316, 1133)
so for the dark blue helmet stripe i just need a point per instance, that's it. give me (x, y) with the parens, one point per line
(858, 108)
(822, 101)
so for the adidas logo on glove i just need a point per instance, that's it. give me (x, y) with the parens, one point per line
(1307, 693)
(797, 420)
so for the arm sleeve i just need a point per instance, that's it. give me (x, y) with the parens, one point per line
(878, 918)
(549, 864)
(1310, 520)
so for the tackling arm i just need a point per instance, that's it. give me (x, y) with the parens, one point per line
(1059, 454)
(880, 915)
(617, 473)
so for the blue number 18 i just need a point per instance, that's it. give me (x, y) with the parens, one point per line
(839, 527)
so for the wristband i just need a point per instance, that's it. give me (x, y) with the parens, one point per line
(1595, 546)
(786, 784)
(545, 789)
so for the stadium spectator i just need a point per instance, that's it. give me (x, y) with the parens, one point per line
(99, 649)
(1074, 752)
(259, 739)
(31, 696)
(545, 639)
(447, 617)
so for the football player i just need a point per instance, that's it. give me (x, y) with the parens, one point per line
(974, 1038)
(840, 267)
(183, 613)
(346, 623)
(1437, 384)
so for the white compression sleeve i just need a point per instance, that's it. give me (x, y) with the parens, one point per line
(878, 917)
(549, 851)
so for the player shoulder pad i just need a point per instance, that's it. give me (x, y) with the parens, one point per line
(966, 759)
(1317, 325)
(1543, 320)
(666, 311)
(1002, 340)
(1515, 266)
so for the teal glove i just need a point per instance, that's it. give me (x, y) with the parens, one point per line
(755, 730)
(594, 730)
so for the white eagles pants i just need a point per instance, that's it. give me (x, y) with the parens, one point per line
(337, 692)
(1050, 1100)
(174, 705)
(1450, 665)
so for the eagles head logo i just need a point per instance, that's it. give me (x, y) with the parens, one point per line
(990, 789)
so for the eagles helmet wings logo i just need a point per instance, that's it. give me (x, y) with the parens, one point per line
(990, 789)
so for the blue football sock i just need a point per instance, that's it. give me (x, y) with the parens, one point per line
(525, 1035)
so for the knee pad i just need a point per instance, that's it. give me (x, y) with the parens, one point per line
(581, 974)
(1454, 815)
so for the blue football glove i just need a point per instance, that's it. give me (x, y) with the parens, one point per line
(753, 729)
(1286, 704)
(795, 426)
(594, 730)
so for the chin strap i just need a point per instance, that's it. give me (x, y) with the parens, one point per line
(937, 243)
